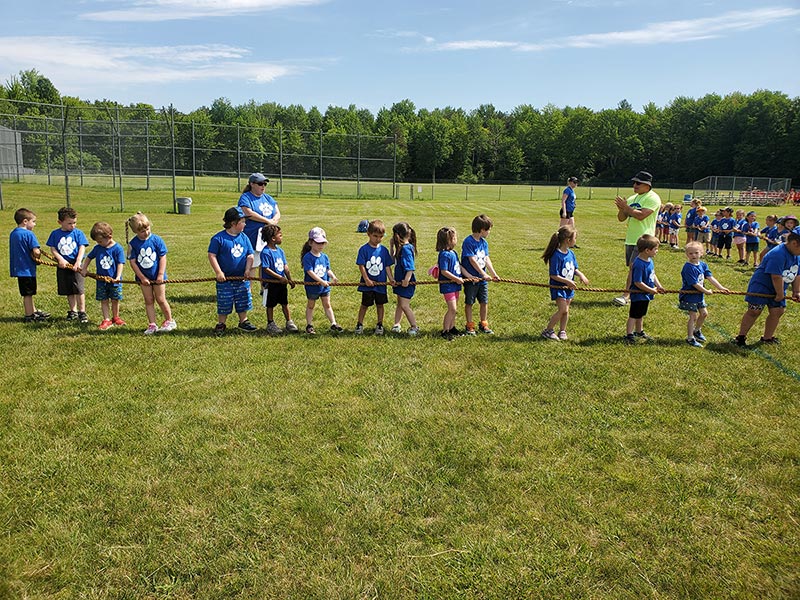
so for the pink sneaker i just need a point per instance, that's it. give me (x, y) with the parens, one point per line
(562, 335)
(105, 324)
(151, 329)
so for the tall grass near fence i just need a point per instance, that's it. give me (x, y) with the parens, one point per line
(505, 466)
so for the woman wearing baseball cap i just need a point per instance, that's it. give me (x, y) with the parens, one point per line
(259, 209)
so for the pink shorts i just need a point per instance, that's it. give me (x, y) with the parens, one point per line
(738, 240)
(451, 296)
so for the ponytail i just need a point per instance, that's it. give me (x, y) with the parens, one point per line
(564, 232)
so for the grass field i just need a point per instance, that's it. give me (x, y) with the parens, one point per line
(505, 466)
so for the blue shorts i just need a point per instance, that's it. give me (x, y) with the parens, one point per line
(691, 306)
(108, 291)
(473, 290)
(230, 293)
(752, 247)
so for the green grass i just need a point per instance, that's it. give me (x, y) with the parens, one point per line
(186, 466)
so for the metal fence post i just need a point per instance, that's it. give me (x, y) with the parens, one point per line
(172, 140)
(19, 155)
(395, 190)
(64, 150)
(320, 162)
(358, 166)
(147, 150)
(280, 158)
(47, 145)
(238, 158)
(80, 147)
(119, 150)
(194, 163)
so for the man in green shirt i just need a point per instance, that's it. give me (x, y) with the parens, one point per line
(640, 211)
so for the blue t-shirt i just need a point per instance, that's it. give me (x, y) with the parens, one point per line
(20, 243)
(726, 225)
(265, 205)
(375, 261)
(739, 224)
(701, 223)
(675, 220)
(448, 261)
(146, 254)
(569, 204)
(644, 271)
(691, 215)
(273, 259)
(563, 264)
(106, 260)
(67, 243)
(231, 252)
(750, 231)
(715, 225)
(320, 266)
(778, 261)
(690, 275)
(478, 249)
(772, 235)
(403, 265)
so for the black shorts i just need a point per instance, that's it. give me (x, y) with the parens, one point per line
(27, 286)
(69, 282)
(724, 241)
(565, 214)
(370, 298)
(639, 309)
(277, 293)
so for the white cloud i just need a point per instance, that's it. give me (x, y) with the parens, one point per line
(669, 32)
(172, 10)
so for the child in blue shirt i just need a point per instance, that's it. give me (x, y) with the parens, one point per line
(770, 235)
(374, 262)
(563, 268)
(68, 245)
(404, 248)
(450, 280)
(715, 233)
(317, 270)
(674, 225)
(231, 255)
(702, 228)
(477, 266)
(109, 260)
(726, 226)
(773, 276)
(275, 266)
(23, 247)
(693, 275)
(690, 221)
(751, 234)
(644, 284)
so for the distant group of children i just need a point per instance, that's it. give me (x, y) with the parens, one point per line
(231, 255)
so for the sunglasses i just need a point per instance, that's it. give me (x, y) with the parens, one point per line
(259, 183)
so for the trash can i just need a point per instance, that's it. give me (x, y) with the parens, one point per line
(687, 199)
(184, 206)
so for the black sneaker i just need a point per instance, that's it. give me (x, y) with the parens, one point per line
(29, 318)
(699, 335)
(740, 341)
(247, 326)
(642, 335)
(72, 315)
(446, 335)
(219, 329)
(83, 317)
(310, 330)
(337, 328)
(42, 316)
(454, 332)
(772, 340)
(629, 338)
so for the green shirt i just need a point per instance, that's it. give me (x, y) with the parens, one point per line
(637, 228)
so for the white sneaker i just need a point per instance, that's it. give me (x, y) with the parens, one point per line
(168, 326)
(291, 327)
(620, 301)
(413, 330)
(151, 329)
(397, 328)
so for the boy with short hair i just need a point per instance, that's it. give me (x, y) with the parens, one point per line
(644, 284)
(23, 247)
(374, 262)
(68, 244)
(109, 258)
(231, 255)
(702, 228)
(477, 266)
(693, 275)
(778, 269)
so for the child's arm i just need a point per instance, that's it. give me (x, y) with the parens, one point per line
(332, 275)
(248, 265)
(120, 266)
(316, 278)
(481, 273)
(212, 258)
(62, 262)
(79, 258)
(567, 282)
(455, 278)
(718, 285)
(273, 275)
(390, 276)
(36, 252)
(288, 277)
(582, 277)
(777, 283)
(365, 276)
(138, 272)
(659, 288)
(490, 269)
(84, 268)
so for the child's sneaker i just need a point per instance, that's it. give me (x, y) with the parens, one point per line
(167, 326)
(483, 327)
(310, 330)
(641, 334)
(72, 315)
(693, 342)
(83, 317)
(247, 326)
(470, 330)
(562, 335)
(118, 322)
(359, 329)
(336, 328)
(772, 340)
(699, 335)
(413, 330)
(41, 315)
(740, 341)
(219, 329)
(549, 334)
(620, 301)
(446, 335)
(629, 338)
(291, 327)
(397, 328)
(151, 329)
(454, 332)
(105, 324)
(273, 329)
(379, 329)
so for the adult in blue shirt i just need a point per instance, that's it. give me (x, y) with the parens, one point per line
(568, 203)
(259, 209)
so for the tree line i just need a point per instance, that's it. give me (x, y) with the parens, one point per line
(738, 134)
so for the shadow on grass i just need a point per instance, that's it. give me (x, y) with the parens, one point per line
(193, 299)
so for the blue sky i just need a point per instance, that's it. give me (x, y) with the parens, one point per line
(369, 53)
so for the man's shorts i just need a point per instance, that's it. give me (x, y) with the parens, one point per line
(230, 293)
(476, 289)
(27, 286)
(108, 291)
(69, 282)
(277, 293)
(638, 309)
(370, 298)
(630, 254)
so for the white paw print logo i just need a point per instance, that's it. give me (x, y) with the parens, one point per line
(725, 225)
(319, 271)
(480, 258)
(701, 278)
(457, 270)
(146, 258)
(67, 246)
(568, 270)
(237, 250)
(106, 263)
(652, 279)
(265, 208)
(279, 265)
(374, 265)
(789, 274)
